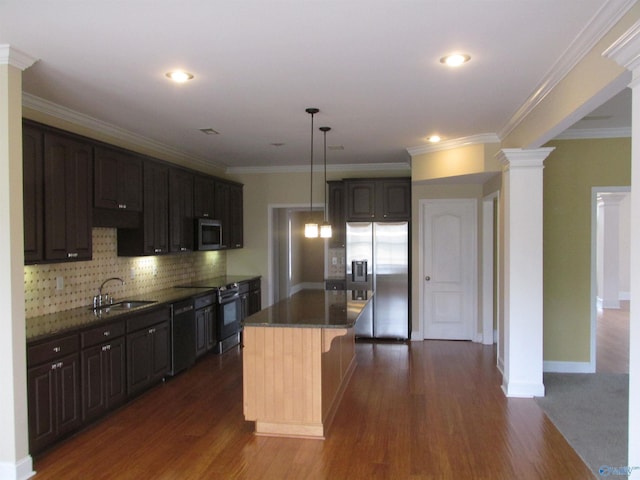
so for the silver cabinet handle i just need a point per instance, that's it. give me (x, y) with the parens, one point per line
(157, 250)
(106, 333)
(122, 205)
(56, 349)
(152, 330)
(72, 255)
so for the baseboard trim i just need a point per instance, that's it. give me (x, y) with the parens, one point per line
(522, 389)
(567, 367)
(21, 470)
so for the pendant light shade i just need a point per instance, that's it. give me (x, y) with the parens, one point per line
(325, 228)
(311, 229)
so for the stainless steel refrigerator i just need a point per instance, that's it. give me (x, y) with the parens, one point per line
(378, 260)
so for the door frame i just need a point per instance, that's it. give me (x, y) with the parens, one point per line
(490, 271)
(423, 203)
(273, 258)
(580, 367)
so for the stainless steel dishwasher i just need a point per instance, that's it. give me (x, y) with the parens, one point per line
(183, 336)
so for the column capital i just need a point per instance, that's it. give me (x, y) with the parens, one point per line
(16, 58)
(521, 158)
(611, 198)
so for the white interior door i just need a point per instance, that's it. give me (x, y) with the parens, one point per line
(449, 268)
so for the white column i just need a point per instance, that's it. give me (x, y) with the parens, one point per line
(522, 270)
(610, 210)
(626, 52)
(15, 461)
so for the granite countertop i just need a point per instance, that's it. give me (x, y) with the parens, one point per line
(314, 309)
(45, 326)
(215, 282)
(58, 323)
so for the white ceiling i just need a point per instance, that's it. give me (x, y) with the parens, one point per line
(371, 67)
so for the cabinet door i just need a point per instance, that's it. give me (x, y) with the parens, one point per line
(156, 203)
(254, 302)
(235, 228)
(203, 197)
(53, 401)
(33, 189)
(222, 210)
(67, 194)
(115, 378)
(139, 355)
(68, 394)
(41, 406)
(361, 205)
(94, 400)
(395, 199)
(118, 180)
(161, 350)
(336, 214)
(180, 211)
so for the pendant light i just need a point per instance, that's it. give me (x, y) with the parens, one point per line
(310, 228)
(325, 228)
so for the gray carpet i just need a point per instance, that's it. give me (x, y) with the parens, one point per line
(591, 411)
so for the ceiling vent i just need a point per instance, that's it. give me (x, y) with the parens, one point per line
(209, 131)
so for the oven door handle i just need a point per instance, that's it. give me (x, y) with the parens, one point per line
(228, 298)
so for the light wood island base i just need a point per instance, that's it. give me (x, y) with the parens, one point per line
(294, 378)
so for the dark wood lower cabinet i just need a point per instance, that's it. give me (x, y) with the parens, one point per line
(104, 385)
(148, 356)
(53, 401)
(205, 330)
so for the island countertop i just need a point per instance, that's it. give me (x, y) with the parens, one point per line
(313, 309)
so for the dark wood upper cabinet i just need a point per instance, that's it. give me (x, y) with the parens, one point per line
(378, 200)
(336, 213)
(32, 183)
(180, 210)
(203, 196)
(118, 180)
(68, 166)
(228, 209)
(152, 238)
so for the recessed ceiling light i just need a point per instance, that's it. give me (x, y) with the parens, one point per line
(455, 60)
(179, 76)
(434, 138)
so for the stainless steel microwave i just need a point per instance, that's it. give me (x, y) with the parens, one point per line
(208, 234)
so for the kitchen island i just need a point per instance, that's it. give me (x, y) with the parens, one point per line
(298, 357)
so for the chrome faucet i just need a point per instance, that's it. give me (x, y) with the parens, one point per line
(99, 299)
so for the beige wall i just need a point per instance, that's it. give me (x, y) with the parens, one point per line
(457, 162)
(572, 169)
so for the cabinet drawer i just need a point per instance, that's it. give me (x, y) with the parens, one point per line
(52, 349)
(101, 334)
(146, 319)
(204, 301)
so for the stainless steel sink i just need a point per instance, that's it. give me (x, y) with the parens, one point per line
(126, 304)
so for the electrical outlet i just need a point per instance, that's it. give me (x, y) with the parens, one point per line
(132, 273)
(155, 270)
(59, 283)
(334, 261)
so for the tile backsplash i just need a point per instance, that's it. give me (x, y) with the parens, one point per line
(337, 269)
(56, 287)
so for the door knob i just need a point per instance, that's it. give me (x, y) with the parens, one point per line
(427, 278)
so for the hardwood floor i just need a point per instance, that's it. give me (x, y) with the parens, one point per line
(612, 337)
(424, 410)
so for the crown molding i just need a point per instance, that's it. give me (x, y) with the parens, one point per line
(454, 143)
(353, 167)
(16, 58)
(586, 133)
(626, 50)
(608, 15)
(63, 113)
